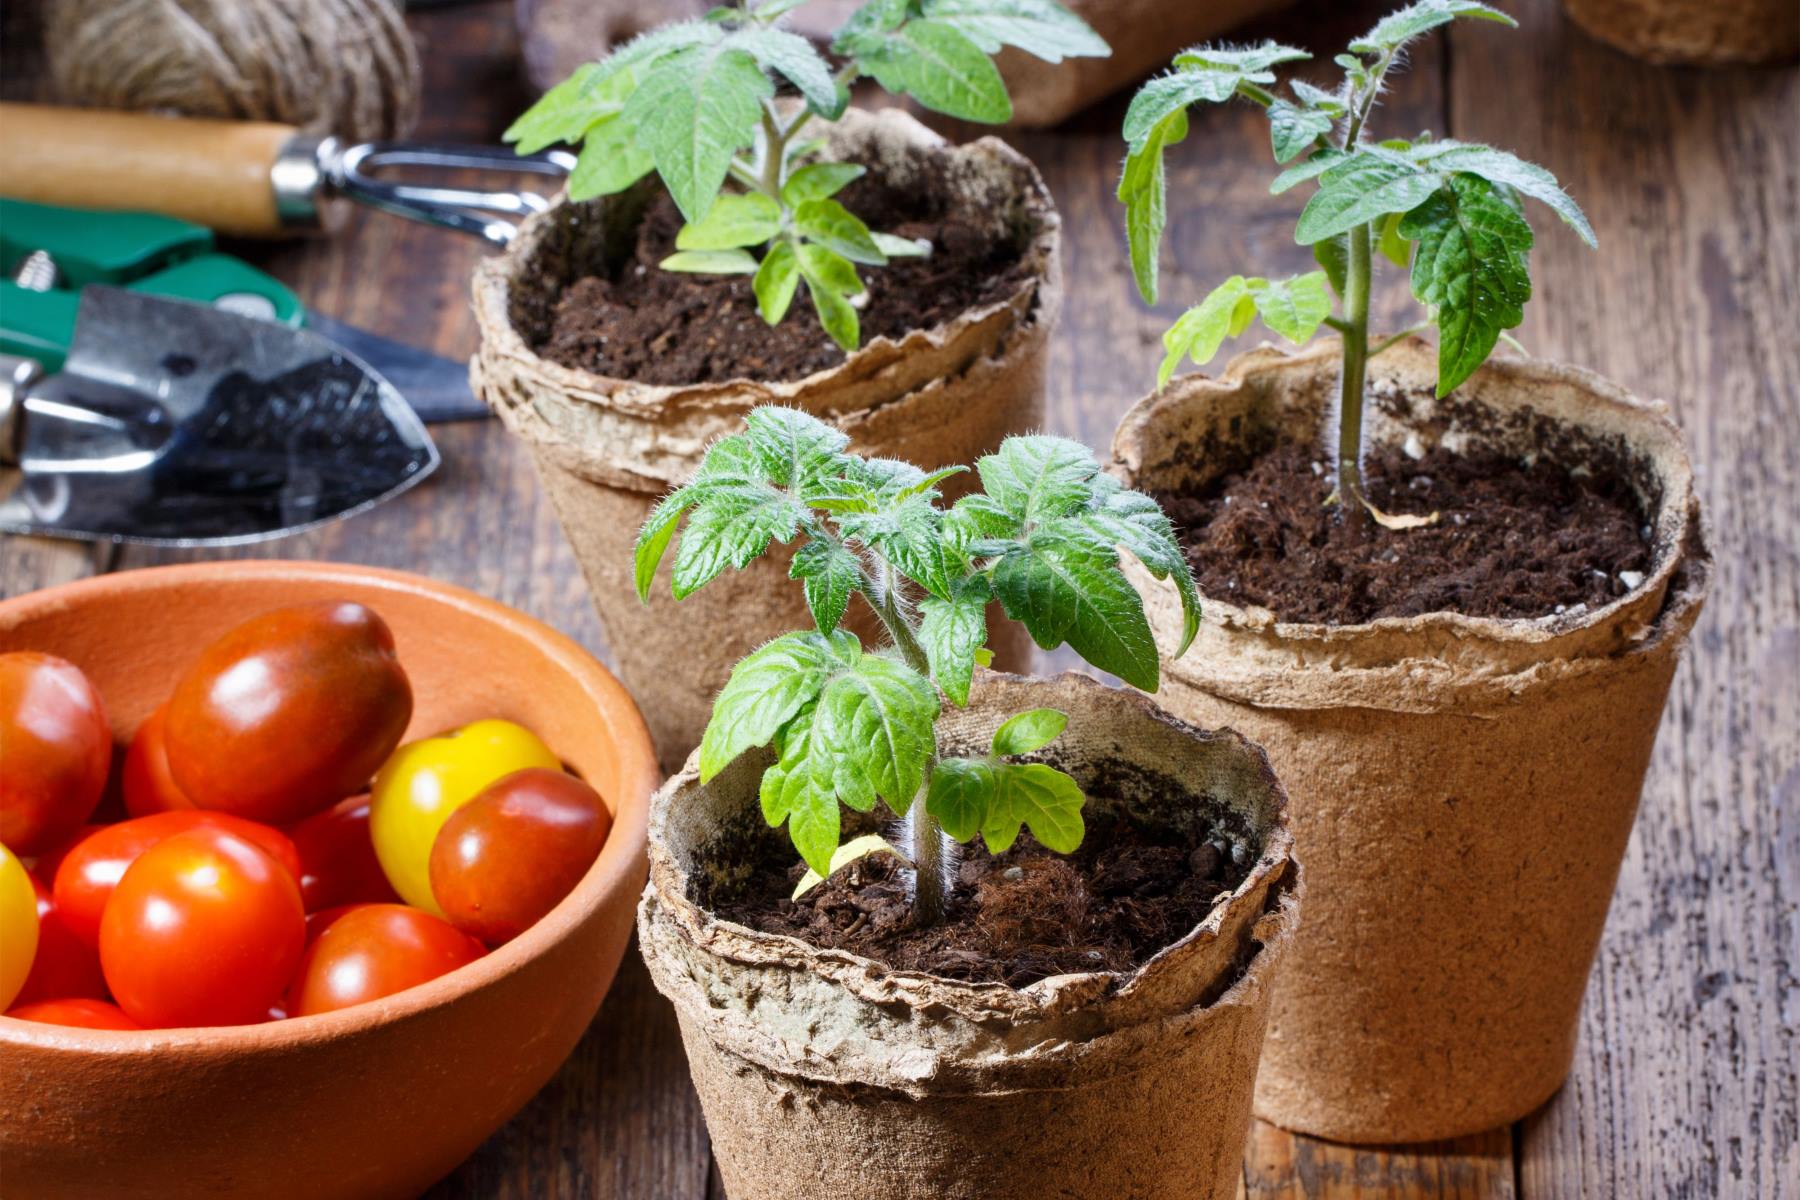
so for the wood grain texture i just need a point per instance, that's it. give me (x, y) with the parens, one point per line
(1685, 1082)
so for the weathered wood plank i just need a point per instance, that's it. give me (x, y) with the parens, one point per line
(1281, 1166)
(1684, 1083)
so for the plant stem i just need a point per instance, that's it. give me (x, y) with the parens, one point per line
(774, 152)
(1354, 376)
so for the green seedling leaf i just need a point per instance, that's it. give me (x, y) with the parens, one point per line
(1471, 266)
(819, 181)
(894, 246)
(1041, 28)
(1333, 254)
(711, 262)
(963, 791)
(1143, 188)
(693, 111)
(654, 538)
(1066, 588)
(1393, 247)
(830, 269)
(609, 162)
(830, 573)
(740, 219)
(835, 312)
(768, 10)
(793, 449)
(953, 631)
(854, 850)
(1121, 517)
(795, 59)
(1321, 162)
(909, 532)
(1292, 130)
(1254, 63)
(765, 691)
(867, 27)
(1497, 166)
(936, 64)
(877, 719)
(1318, 98)
(775, 282)
(1040, 797)
(1028, 731)
(1038, 476)
(1296, 307)
(596, 90)
(730, 527)
(829, 224)
(1201, 330)
(798, 790)
(1354, 192)
(1398, 28)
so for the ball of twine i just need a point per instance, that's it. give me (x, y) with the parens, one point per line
(343, 67)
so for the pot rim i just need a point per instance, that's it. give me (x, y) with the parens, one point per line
(1275, 860)
(1672, 521)
(495, 276)
(618, 867)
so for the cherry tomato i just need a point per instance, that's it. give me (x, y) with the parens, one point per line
(65, 967)
(288, 713)
(319, 922)
(204, 929)
(508, 856)
(57, 748)
(375, 950)
(91, 870)
(337, 858)
(80, 1011)
(18, 926)
(425, 781)
(148, 786)
(44, 865)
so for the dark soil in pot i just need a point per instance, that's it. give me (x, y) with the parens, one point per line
(1512, 539)
(636, 321)
(1130, 889)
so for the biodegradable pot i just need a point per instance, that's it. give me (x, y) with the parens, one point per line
(824, 1073)
(1462, 788)
(380, 1099)
(1702, 33)
(608, 449)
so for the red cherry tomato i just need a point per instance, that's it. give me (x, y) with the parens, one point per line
(204, 929)
(337, 858)
(65, 967)
(508, 856)
(44, 865)
(375, 950)
(319, 922)
(84, 1013)
(288, 713)
(91, 869)
(57, 748)
(148, 786)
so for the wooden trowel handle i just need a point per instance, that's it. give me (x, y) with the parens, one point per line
(216, 173)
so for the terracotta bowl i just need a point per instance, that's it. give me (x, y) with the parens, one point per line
(372, 1101)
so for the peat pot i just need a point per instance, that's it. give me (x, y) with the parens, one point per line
(1462, 788)
(607, 449)
(824, 1073)
(1701, 33)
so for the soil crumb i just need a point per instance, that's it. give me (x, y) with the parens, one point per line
(1511, 540)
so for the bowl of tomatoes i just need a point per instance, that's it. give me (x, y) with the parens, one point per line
(310, 876)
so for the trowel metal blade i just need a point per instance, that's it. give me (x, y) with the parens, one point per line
(263, 430)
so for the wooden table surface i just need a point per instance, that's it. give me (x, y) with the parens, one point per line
(1684, 1083)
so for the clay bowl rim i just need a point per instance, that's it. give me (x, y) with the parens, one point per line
(620, 866)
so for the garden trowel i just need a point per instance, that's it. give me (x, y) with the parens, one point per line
(185, 424)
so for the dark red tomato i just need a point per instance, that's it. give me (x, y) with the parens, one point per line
(91, 870)
(44, 865)
(57, 748)
(288, 713)
(85, 1013)
(65, 967)
(375, 950)
(337, 858)
(204, 929)
(508, 856)
(147, 784)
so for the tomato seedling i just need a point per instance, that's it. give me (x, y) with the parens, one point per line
(1450, 212)
(852, 726)
(695, 102)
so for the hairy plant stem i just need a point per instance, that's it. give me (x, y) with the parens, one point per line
(1354, 378)
(925, 841)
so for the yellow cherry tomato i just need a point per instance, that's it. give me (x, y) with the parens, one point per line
(423, 782)
(18, 926)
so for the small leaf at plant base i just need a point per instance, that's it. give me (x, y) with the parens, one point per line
(895, 246)
(1393, 247)
(963, 791)
(937, 65)
(819, 181)
(952, 632)
(854, 850)
(1470, 265)
(831, 225)
(1044, 799)
(830, 573)
(775, 282)
(1039, 27)
(876, 718)
(693, 112)
(1333, 254)
(1028, 731)
(739, 219)
(1295, 308)
(835, 313)
(830, 269)
(1293, 129)
(711, 262)
(610, 161)
(1069, 588)
(766, 689)
(1201, 330)
(1398, 28)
